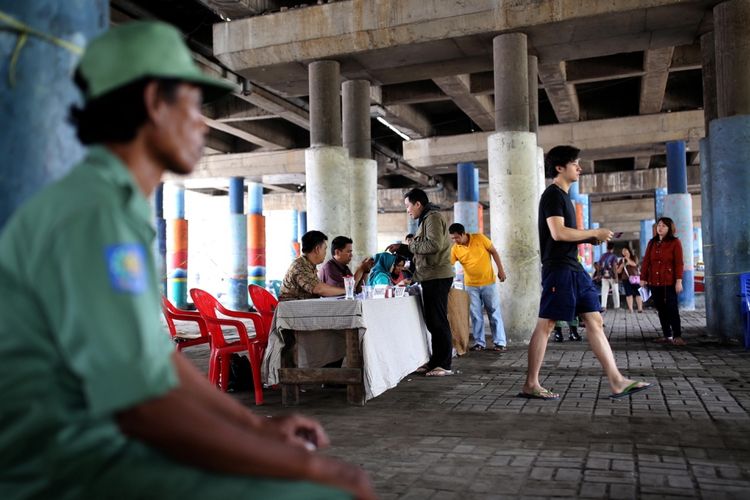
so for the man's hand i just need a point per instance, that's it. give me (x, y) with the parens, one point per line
(501, 275)
(393, 247)
(678, 286)
(644, 283)
(366, 264)
(299, 431)
(344, 476)
(603, 234)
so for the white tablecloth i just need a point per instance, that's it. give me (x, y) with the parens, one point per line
(393, 337)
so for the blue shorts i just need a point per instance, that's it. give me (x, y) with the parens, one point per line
(566, 293)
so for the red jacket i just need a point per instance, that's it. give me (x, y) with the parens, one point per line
(662, 265)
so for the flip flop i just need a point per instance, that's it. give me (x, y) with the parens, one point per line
(438, 372)
(422, 369)
(544, 395)
(631, 389)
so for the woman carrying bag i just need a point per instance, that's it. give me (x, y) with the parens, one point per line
(628, 272)
(662, 272)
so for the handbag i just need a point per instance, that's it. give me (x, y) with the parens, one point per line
(634, 280)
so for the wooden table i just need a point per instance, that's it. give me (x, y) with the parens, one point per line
(382, 341)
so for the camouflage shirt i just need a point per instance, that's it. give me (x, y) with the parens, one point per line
(300, 280)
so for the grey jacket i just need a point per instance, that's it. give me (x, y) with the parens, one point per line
(432, 247)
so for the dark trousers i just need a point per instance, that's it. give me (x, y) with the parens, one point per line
(665, 300)
(435, 308)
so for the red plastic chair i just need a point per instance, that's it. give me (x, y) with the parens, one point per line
(172, 313)
(265, 303)
(218, 368)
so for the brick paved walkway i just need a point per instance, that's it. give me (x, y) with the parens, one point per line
(468, 436)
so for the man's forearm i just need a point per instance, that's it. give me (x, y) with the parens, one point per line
(201, 390)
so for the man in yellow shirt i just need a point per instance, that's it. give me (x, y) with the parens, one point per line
(473, 251)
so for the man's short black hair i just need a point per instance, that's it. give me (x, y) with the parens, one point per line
(610, 245)
(117, 116)
(417, 195)
(456, 228)
(312, 239)
(410, 235)
(559, 156)
(339, 243)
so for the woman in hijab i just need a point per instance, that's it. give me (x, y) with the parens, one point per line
(381, 272)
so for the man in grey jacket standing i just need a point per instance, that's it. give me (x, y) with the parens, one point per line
(431, 248)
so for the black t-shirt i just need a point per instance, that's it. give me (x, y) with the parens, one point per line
(557, 254)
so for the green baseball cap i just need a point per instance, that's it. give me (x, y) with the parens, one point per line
(142, 49)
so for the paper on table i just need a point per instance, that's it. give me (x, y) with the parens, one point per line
(645, 293)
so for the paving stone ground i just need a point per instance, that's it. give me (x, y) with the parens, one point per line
(469, 436)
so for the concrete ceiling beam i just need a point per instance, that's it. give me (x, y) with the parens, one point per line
(412, 93)
(562, 95)
(404, 117)
(612, 134)
(654, 81)
(237, 9)
(641, 162)
(480, 109)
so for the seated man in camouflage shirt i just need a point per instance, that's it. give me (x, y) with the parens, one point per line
(301, 279)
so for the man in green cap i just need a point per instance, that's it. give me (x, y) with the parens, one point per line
(95, 403)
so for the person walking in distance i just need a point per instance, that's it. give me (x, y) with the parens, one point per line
(661, 272)
(567, 289)
(608, 265)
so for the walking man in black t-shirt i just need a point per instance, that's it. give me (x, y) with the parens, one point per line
(567, 289)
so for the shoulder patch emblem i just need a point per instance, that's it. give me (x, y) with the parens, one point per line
(126, 266)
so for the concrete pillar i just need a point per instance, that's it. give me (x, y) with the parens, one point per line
(533, 94)
(295, 237)
(237, 265)
(708, 63)
(659, 195)
(161, 238)
(511, 62)
(709, 294)
(697, 244)
(514, 187)
(256, 235)
(588, 252)
(732, 46)
(411, 225)
(301, 224)
(730, 232)
(327, 166)
(177, 247)
(37, 91)
(465, 209)
(647, 232)
(678, 206)
(363, 183)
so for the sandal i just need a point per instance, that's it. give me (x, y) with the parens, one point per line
(679, 341)
(543, 394)
(499, 348)
(663, 340)
(422, 369)
(438, 372)
(477, 347)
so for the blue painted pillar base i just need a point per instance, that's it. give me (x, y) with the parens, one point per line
(177, 289)
(647, 233)
(659, 195)
(237, 279)
(706, 227)
(467, 213)
(679, 208)
(730, 231)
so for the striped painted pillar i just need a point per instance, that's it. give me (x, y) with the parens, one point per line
(678, 205)
(161, 238)
(294, 237)
(647, 232)
(465, 210)
(480, 218)
(597, 249)
(237, 271)
(588, 251)
(659, 195)
(697, 244)
(177, 248)
(302, 225)
(256, 235)
(579, 225)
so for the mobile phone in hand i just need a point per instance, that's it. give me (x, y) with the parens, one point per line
(617, 235)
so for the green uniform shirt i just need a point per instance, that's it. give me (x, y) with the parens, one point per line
(80, 335)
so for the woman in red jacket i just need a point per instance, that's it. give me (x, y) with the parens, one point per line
(661, 271)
